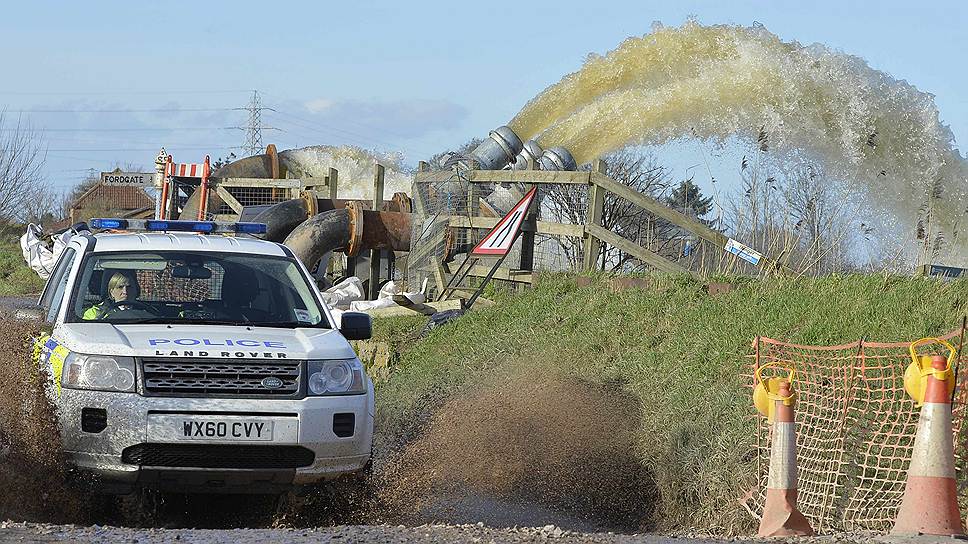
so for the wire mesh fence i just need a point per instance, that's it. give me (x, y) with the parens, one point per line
(252, 196)
(855, 431)
(453, 210)
(450, 217)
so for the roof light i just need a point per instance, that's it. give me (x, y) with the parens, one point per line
(109, 223)
(162, 225)
(251, 228)
(181, 226)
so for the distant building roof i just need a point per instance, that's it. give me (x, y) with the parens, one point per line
(114, 197)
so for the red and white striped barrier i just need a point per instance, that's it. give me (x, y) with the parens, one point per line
(186, 170)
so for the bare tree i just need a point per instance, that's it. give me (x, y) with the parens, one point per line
(569, 204)
(444, 159)
(798, 216)
(22, 158)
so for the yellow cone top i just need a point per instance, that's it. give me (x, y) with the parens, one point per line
(767, 391)
(916, 374)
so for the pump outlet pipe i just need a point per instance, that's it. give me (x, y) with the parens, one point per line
(497, 151)
(350, 230)
(531, 151)
(283, 217)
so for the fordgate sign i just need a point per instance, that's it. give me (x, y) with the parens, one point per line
(127, 178)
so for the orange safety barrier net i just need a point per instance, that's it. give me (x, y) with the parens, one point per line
(855, 430)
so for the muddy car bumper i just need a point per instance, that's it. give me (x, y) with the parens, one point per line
(126, 440)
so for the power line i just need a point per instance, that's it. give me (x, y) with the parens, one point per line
(141, 129)
(154, 110)
(85, 93)
(327, 130)
(120, 139)
(370, 127)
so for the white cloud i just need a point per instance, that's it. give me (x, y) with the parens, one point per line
(319, 105)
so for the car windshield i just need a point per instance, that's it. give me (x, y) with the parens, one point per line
(194, 288)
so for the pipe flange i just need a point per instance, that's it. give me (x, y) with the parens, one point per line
(273, 158)
(309, 203)
(355, 208)
(507, 140)
(450, 241)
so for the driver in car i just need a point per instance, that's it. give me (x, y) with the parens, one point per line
(122, 288)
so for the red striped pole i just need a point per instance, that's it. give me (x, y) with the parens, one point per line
(780, 514)
(930, 504)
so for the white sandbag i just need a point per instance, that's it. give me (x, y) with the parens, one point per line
(344, 292)
(391, 289)
(364, 305)
(35, 251)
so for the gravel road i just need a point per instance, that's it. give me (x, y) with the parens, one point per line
(21, 532)
(432, 533)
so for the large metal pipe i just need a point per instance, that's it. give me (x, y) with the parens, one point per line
(557, 158)
(498, 150)
(282, 218)
(190, 209)
(531, 151)
(351, 229)
(319, 235)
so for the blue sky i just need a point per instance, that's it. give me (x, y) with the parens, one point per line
(417, 77)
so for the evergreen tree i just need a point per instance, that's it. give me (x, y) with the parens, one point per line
(688, 195)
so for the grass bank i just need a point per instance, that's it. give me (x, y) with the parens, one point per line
(677, 351)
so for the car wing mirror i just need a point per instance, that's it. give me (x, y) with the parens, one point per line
(356, 326)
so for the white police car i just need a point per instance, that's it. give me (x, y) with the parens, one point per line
(186, 360)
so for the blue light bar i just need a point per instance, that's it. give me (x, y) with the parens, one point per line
(109, 223)
(163, 225)
(251, 228)
(179, 226)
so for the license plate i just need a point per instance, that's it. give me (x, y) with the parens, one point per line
(236, 429)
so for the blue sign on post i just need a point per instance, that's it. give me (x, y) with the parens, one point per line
(744, 252)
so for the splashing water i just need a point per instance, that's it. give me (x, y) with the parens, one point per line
(355, 165)
(803, 103)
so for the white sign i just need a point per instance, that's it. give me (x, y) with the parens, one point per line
(127, 178)
(499, 240)
(744, 252)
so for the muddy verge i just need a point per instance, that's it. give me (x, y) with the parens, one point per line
(34, 481)
(528, 449)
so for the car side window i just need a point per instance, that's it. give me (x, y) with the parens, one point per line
(54, 293)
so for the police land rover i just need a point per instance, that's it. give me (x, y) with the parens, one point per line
(183, 359)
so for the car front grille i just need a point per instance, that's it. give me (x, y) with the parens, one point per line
(217, 456)
(223, 378)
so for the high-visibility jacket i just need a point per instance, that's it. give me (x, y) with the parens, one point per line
(97, 311)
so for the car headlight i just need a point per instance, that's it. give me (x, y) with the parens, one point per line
(339, 377)
(99, 372)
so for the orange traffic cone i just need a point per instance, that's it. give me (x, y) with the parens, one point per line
(780, 514)
(930, 504)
